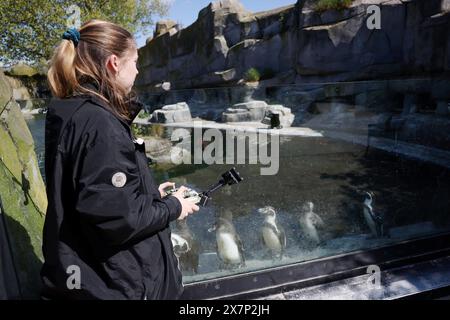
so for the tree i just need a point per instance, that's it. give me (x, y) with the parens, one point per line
(30, 29)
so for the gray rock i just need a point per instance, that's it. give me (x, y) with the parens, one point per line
(228, 6)
(247, 111)
(162, 87)
(272, 30)
(178, 112)
(234, 116)
(255, 111)
(164, 26)
(232, 34)
(251, 29)
(25, 105)
(286, 117)
(332, 46)
(220, 45)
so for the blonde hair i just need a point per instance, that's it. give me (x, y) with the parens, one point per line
(73, 66)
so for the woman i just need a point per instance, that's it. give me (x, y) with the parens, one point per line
(106, 233)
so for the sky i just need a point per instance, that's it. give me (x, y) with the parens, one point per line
(186, 11)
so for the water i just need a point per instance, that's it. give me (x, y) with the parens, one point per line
(36, 125)
(332, 174)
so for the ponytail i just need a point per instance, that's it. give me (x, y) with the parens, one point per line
(61, 74)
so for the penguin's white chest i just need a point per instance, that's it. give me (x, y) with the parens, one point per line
(228, 248)
(309, 228)
(271, 239)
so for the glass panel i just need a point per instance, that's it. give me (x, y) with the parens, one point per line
(360, 165)
(347, 143)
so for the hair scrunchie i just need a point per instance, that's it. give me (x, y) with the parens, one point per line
(73, 35)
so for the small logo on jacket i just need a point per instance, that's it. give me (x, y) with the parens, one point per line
(119, 179)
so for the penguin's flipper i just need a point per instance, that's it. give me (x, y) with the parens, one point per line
(317, 220)
(283, 238)
(283, 248)
(273, 228)
(239, 243)
(379, 225)
(241, 248)
(261, 239)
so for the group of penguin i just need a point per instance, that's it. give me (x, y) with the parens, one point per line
(230, 249)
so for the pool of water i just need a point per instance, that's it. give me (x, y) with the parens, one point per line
(333, 175)
(36, 125)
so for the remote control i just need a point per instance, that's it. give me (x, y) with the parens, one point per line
(189, 194)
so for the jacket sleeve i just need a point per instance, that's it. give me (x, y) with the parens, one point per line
(117, 213)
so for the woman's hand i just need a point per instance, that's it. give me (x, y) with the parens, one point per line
(187, 207)
(164, 186)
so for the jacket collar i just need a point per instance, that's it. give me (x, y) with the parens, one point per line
(135, 106)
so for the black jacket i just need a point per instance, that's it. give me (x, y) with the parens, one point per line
(118, 236)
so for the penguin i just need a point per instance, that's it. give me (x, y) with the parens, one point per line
(373, 220)
(272, 233)
(309, 223)
(180, 245)
(188, 258)
(229, 245)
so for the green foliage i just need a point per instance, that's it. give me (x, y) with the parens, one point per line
(140, 130)
(252, 75)
(30, 29)
(323, 5)
(143, 114)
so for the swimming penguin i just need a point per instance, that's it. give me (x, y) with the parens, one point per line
(373, 220)
(229, 245)
(188, 258)
(272, 233)
(310, 222)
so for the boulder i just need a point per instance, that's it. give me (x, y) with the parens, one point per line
(163, 151)
(165, 26)
(22, 69)
(255, 111)
(247, 111)
(272, 30)
(178, 112)
(286, 116)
